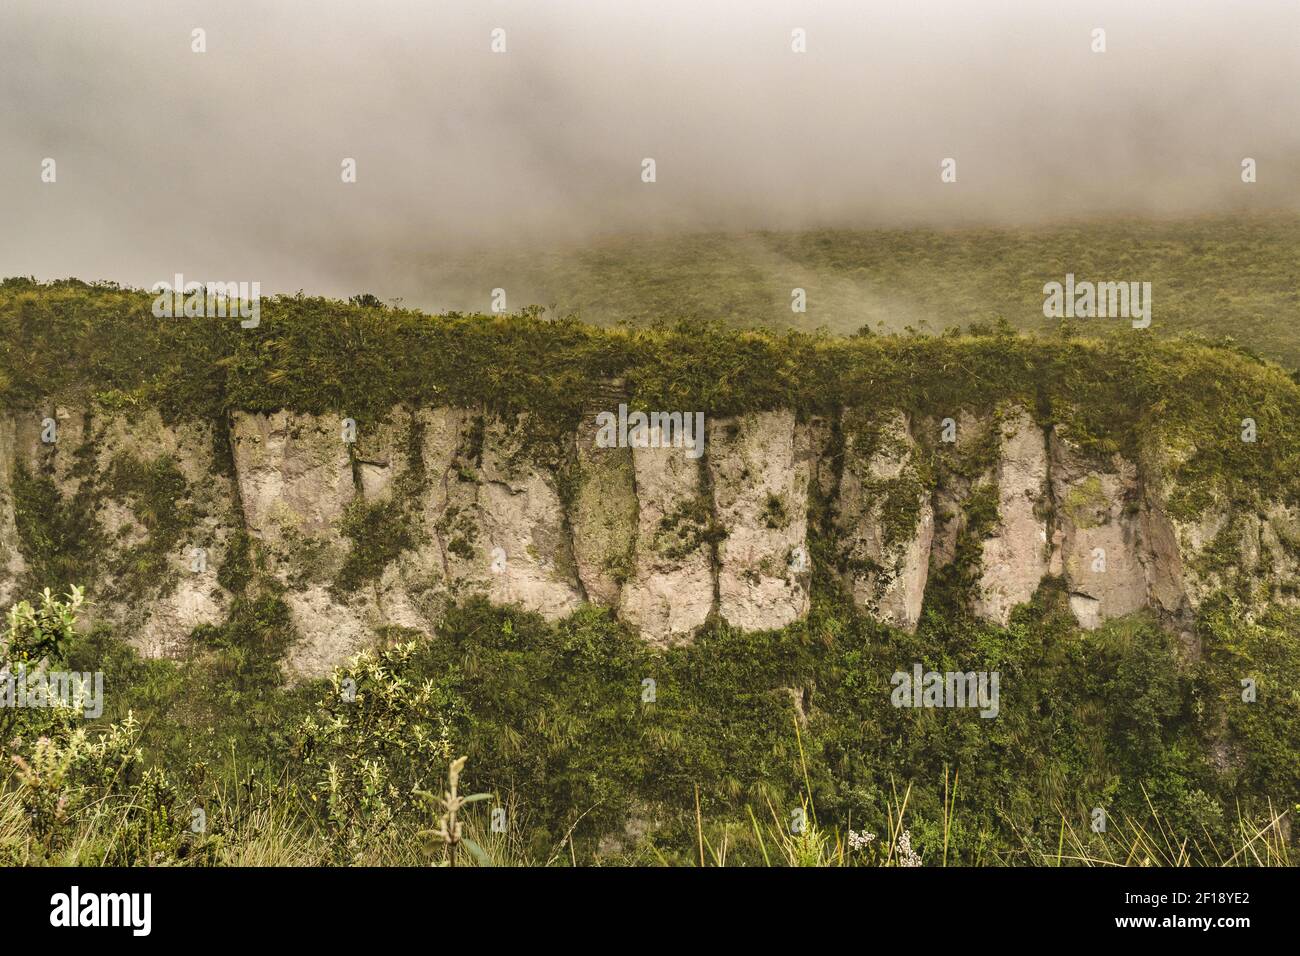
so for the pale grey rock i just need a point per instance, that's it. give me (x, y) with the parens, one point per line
(1099, 546)
(525, 538)
(1016, 556)
(664, 538)
(883, 518)
(413, 591)
(296, 482)
(669, 592)
(490, 522)
(759, 469)
(12, 566)
(85, 457)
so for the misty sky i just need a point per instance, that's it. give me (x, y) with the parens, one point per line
(226, 164)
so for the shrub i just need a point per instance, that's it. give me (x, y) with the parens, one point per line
(378, 735)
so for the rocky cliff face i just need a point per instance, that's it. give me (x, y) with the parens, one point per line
(384, 527)
(884, 521)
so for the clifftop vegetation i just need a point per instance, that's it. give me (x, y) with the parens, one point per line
(1117, 391)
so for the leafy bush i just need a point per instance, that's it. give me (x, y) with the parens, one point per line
(34, 634)
(379, 734)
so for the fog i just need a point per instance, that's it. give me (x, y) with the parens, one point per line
(227, 164)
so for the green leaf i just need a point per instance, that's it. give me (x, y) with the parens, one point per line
(477, 852)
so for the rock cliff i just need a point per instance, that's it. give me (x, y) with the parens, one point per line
(383, 525)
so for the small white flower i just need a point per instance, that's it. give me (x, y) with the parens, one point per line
(860, 841)
(906, 855)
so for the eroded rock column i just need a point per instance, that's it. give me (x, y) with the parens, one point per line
(1097, 539)
(669, 592)
(759, 469)
(884, 520)
(296, 481)
(1016, 555)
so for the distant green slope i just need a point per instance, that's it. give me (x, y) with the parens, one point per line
(1217, 276)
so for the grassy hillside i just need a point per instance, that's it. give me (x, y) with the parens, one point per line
(1237, 277)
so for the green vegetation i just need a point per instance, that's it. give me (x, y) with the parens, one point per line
(380, 532)
(157, 494)
(750, 726)
(690, 525)
(1212, 276)
(62, 536)
(744, 728)
(1117, 392)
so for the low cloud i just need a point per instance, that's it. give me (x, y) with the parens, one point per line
(226, 164)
